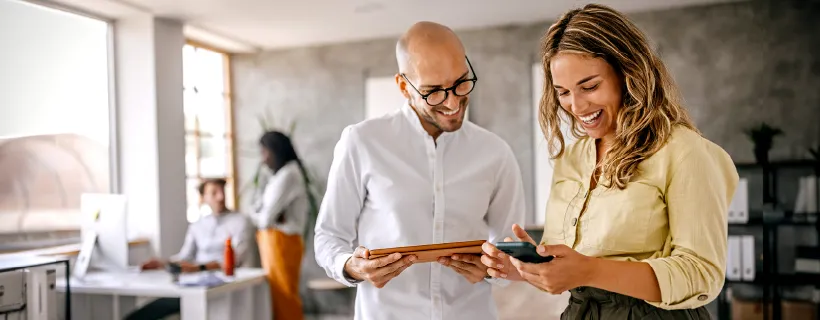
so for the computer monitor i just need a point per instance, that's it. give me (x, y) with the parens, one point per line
(104, 233)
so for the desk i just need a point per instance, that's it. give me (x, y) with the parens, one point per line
(246, 297)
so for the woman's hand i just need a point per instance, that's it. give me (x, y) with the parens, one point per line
(498, 263)
(568, 270)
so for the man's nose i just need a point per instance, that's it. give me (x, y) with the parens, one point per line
(452, 101)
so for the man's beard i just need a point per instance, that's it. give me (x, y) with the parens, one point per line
(431, 119)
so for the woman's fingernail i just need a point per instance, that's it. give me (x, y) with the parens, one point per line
(503, 275)
(500, 266)
(541, 249)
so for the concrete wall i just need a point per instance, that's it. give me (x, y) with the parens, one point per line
(736, 65)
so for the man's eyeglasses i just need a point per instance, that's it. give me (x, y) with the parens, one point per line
(460, 88)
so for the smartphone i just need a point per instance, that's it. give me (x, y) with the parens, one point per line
(523, 251)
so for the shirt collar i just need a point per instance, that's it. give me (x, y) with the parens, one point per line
(413, 118)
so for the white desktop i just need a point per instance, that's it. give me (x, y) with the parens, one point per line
(104, 234)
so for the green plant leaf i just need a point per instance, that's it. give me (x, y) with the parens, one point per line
(292, 129)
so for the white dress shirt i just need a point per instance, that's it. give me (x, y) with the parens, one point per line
(205, 239)
(391, 184)
(285, 194)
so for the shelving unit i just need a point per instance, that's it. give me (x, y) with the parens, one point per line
(8, 264)
(770, 278)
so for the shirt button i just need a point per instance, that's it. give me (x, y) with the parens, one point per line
(702, 297)
(574, 221)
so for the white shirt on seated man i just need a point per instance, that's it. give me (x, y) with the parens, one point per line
(204, 246)
(419, 175)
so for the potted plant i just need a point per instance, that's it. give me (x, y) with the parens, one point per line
(257, 183)
(762, 136)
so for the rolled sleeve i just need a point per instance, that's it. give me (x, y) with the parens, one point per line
(188, 251)
(700, 188)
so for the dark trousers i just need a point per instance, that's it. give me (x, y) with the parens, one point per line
(155, 310)
(594, 304)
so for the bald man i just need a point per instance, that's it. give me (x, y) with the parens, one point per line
(419, 175)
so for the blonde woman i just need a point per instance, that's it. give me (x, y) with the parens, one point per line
(636, 218)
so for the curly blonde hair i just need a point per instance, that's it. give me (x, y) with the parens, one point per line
(651, 103)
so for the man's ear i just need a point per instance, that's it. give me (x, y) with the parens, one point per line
(402, 85)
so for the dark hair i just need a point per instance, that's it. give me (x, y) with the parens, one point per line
(217, 181)
(279, 145)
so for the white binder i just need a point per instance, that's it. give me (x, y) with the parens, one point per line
(733, 261)
(739, 207)
(747, 257)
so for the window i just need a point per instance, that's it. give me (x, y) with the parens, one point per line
(54, 121)
(208, 124)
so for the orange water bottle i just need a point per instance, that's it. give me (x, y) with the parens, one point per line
(229, 263)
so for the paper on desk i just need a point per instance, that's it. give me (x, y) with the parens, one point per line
(200, 280)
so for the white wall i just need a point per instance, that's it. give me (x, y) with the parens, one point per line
(382, 96)
(41, 93)
(543, 164)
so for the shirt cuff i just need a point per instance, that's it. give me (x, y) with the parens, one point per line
(668, 294)
(339, 266)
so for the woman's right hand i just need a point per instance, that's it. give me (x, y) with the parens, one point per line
(498, 262)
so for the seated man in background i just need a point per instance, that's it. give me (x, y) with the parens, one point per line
(204, 246)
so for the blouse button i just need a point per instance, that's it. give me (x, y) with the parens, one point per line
(702, 297)
(574, 221)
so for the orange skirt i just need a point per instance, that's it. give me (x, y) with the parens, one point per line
(281, 256)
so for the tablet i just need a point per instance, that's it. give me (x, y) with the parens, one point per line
(431, 252)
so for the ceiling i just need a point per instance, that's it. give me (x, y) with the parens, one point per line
(274, 24)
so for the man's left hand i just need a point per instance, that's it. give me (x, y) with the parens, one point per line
(467, 265)
(188, 267)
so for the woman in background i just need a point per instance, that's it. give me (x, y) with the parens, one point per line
(636, 217)
(282, 215)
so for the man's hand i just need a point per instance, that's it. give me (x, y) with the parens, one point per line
(188, 267)
(377, 271)
(467, 265)
(152, 265)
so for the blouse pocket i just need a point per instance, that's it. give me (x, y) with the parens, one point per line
(618, 220)
(560, 204)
